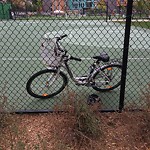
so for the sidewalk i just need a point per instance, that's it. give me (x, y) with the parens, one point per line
(133, 20)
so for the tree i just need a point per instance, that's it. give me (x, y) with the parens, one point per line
(39, 6)
(18, 4)
(142, 6)
(101, 5)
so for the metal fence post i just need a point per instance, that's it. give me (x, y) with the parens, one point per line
(125, 53)
(106, 11)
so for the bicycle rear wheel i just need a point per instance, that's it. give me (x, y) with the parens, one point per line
(46, 83)
(108, 78)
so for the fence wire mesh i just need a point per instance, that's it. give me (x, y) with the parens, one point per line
(92, 28)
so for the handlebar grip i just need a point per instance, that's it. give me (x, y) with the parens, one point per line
(61, 37)
(74, 58)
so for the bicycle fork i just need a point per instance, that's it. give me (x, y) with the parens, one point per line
(52, 78)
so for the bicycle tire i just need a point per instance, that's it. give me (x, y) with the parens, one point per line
(107, 84)
(42, 94)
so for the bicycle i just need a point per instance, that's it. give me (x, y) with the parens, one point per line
(51, 81)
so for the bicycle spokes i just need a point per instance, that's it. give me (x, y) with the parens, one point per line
(51, 79)
(108, 77)
(46, 83)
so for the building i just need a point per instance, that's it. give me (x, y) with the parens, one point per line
(47, 6)
(58, 5)
(80, 4)
(111, 4)
(63, 5)
(121, 3)
(52, 5)
(114, 6)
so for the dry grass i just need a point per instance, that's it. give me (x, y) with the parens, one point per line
(3, 102)
(145, 96)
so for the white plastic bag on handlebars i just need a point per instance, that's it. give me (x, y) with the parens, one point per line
(51, 55)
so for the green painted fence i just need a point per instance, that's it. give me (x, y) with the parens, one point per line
(5, 10)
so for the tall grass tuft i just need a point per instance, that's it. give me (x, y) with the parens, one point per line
(3, 103)
(82, 122)
(87, 121)
(145, 96)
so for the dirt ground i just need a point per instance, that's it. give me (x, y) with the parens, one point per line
(51, 131)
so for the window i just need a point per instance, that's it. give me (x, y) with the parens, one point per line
(82, 4)
(75, 5)
(89, 4)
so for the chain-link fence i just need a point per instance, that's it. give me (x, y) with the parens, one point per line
(29, 45)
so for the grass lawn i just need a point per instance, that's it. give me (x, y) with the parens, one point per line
(141, 24)
(40, 17)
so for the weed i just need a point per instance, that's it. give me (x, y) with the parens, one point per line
(86, 121)
(81, 124)
(42, 142)
(145, 96)
(3, 103)
(20, 145)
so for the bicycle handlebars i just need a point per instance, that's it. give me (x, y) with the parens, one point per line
(74, 58)
(61, 37)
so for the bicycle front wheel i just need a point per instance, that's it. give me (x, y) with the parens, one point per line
(108, 78)
(46, 83)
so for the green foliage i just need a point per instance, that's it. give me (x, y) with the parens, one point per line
(101, 5)
(141, 24)
(142, 6)
(39, 5)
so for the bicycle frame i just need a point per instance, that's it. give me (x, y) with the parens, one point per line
(101, 77)
(86, 80)
(82, 80)
(78, 80)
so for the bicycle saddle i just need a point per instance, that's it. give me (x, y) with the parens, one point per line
(102, 57)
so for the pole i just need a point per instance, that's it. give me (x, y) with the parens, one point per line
(125, 53)
(106, 11)
(3, 13)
